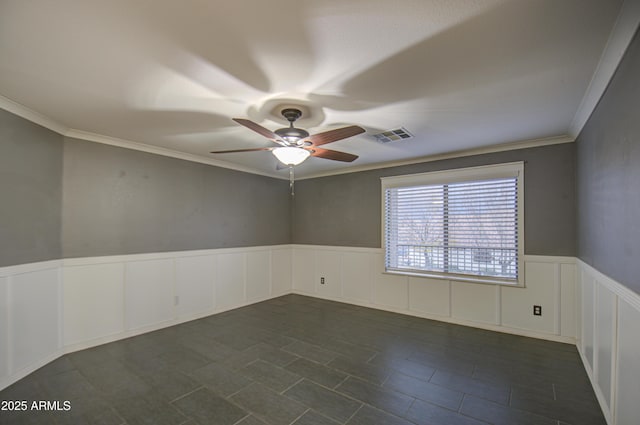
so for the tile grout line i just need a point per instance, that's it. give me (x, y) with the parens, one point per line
(364, 403)
(464, 395)
(373, 356)
(303, 413)
(292, 385)
(354, 413)
(242, 419)
(234, 393)
(187, 394)
(347, 376)
(409, 408)
(368, 366)
(386, 379)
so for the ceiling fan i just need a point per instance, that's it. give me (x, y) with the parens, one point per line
(296, 144)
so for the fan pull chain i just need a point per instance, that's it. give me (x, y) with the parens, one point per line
(291, 179)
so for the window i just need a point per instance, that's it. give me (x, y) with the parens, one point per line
(463, 224)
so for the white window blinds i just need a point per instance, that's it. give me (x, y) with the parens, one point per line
(464, 224)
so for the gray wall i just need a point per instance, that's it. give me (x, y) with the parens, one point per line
(120, 201)
(30, 191)
(608, 164)
(345, 209)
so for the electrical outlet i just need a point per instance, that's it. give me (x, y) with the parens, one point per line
(176, 300)
(537, 310)
(322, 281)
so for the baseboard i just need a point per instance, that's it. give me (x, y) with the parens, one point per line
(157, 326)
(446, 319)
(601, 298)
(602, 401)
(10, 380)
(72, 348)
(620, 291)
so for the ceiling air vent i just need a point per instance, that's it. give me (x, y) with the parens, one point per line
(393, 135)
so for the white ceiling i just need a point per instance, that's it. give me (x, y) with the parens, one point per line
(458, 74)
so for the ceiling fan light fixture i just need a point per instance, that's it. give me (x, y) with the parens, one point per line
(290, 155)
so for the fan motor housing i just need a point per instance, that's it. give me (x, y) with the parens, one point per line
(292, 134)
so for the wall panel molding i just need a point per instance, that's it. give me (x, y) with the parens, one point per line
(29, 268)
(73, 304)
(51, 308)
(619, 289)
(506, 309)
(31, 330)
(608, 342)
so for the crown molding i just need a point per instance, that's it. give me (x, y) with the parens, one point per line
(39, 119)
(626, 25)
(35, 117)
(127, 144)
(621, 35)
(31, 115)
(623, 32)
(533, 143)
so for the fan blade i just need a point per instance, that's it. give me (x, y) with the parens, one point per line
(244, 150)
(335, 135)
(334, 155)
(259, 129)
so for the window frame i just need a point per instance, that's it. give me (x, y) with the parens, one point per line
(457, 175)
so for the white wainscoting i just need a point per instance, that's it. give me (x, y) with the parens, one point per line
(55, 307)
(30, 318)
(355, 275)
(609, 343)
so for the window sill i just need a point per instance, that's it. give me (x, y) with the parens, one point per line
(458, 278)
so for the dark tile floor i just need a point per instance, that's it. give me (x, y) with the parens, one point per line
(305, 361)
